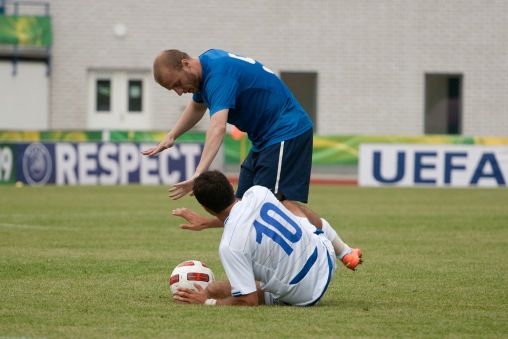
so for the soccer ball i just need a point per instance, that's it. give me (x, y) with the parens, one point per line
(188, 273)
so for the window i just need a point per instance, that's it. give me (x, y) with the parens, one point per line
(135, 95)
(303, 85)
(103, 96)
(117, 99)
(443, 103)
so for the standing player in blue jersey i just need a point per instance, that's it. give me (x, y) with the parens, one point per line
(240, 91)
(270, 255)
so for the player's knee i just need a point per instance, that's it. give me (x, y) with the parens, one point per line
(294, 208)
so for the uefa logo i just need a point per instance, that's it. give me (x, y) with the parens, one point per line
(37, 165)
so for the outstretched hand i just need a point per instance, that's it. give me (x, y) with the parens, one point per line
(168, 142)
(180, 189)
(196, 222)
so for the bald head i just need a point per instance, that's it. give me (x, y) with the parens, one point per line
(177, 71)
(170, 59)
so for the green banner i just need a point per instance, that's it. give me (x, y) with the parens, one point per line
(25, 30)
(50, 136)
(343, 150)
(235, 150)
(153, 136)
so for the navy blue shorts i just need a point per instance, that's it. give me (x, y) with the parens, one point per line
(283, 168)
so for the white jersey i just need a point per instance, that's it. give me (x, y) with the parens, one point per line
(263, 241)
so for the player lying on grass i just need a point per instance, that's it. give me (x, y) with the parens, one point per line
(270, 255)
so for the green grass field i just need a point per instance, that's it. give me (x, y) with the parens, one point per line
(93, 262)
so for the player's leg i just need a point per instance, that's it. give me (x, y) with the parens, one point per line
(293, 175)
(293, 187)
(350, 257)
(293, 169)
(339, 246)
(303, 211)
(247, 174)
(285, 168)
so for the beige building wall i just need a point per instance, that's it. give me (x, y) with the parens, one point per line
(371, 56)
(24, 95)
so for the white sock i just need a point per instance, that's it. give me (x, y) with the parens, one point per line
(339, 246)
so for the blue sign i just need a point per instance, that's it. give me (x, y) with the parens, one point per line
(97, 163)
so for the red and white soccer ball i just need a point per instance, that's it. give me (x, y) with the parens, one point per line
(188, 273)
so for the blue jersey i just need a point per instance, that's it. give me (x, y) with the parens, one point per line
(258, 101)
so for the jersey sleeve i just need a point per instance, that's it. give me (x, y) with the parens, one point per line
(222, 92)
(238, 267)
(197, 97)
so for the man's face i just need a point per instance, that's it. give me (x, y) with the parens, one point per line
(183, 81)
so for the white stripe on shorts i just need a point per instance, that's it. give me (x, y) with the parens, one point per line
(279, 166)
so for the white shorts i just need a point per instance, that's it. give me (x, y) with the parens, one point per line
(308, 284)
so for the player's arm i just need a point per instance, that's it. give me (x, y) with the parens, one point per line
(195, 221)
(214, 137)
(192, 114)
(222, 289)
(250, 299)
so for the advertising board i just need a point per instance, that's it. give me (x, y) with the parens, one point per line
(433, 165)
(92, 163)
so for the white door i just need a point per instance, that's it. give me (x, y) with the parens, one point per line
(118, 100)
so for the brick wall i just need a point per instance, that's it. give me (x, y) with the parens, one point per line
(371, 56)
